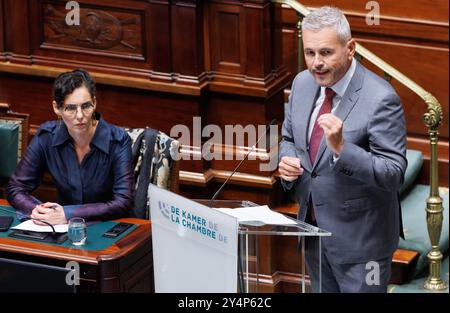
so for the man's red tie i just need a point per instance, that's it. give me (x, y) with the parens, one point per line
(317, 134)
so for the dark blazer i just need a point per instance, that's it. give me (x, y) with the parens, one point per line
(100, 188)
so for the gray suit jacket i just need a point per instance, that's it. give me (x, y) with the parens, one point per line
(355, 198)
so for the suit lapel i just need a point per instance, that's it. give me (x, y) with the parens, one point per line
(347, 103)
(351, 94)
(309, 95)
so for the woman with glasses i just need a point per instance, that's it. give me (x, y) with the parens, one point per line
(88, 158)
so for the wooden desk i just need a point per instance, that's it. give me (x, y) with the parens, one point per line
(125, 266)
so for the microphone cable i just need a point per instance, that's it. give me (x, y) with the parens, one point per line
(25, 217)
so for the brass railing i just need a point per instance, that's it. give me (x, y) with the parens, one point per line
(433, 120)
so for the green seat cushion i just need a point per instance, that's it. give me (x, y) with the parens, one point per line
(415, 161)
(9, 146)
(415, 225)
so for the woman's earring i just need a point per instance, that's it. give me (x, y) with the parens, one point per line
(59, 121)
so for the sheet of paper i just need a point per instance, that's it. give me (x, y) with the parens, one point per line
(259, 213)
(31, 226)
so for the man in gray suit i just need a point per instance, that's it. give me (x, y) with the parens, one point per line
(344, 152)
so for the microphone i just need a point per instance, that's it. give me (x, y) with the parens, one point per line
(31, 218)
(240, 163)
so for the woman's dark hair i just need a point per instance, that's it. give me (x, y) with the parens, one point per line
(67, 82)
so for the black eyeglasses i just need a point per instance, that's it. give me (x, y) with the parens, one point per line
(86, 108)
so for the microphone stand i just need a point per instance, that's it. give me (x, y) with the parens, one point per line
(240, 163)
(240, 270)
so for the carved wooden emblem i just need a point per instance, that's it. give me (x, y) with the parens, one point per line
(98, 29)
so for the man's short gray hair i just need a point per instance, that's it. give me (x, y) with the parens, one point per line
(328, 17)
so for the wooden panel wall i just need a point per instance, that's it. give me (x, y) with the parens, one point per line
(228, 48)
(159, 63)
(413, 37)
(2, 31)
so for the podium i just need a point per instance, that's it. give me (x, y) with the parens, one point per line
(249, 244)
(186, 259)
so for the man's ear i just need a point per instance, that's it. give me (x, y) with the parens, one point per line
(351, 46)
(56, 109)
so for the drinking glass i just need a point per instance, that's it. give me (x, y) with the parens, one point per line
(77, 231)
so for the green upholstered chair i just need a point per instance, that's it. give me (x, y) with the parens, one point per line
(413, 202)
(13, 141)
(9, 147)
(415, 162)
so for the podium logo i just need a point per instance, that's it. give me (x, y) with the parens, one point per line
(165, 209)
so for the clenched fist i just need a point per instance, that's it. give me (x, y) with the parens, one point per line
(332, 129)
(290, 168)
